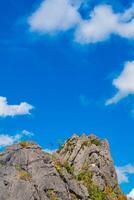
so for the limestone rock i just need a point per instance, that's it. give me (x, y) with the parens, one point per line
(28, 173)
(82, 169)
(90, 154)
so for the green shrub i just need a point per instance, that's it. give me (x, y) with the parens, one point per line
(2, 164)
(52, 194)
(97, 142)
(18, 167)
(110, 193)
(24, 175)
(94, 192)
(59, 169)
(69, 168)
(85, 177)
(57, 165)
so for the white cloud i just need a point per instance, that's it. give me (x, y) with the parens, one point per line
(53, 16)
(27, 133)
(131, 195)
(7, 140)
(123, 172)
(13, 110)
(51, 151)
(62, 15)
(128, 14)
(124, 83)
(103, 23)
(100, 26)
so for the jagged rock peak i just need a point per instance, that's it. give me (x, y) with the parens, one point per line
(92, 138)
(89, 154)
(81, 169)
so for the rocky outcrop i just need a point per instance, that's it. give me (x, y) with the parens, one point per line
(93, 155)
(91, 160)
(82, 169)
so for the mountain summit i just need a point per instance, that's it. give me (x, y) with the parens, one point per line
(81, 169)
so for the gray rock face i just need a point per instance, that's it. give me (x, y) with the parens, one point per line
(90, 154)
(28, 173)
(93, 154)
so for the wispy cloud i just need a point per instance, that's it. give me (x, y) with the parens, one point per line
(123, 173)
(6, 139)
(7, 110)
(27, 133)
(54, 16)
(124, 83)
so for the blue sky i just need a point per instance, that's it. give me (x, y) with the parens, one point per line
(73, 69)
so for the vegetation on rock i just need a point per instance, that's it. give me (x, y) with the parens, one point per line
(26, 144)
(82, 169)
(24, 175)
